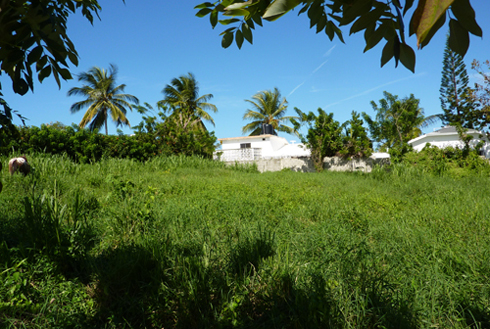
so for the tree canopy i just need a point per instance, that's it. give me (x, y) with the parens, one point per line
(324, 135)
(378, 19)
(35, 33)
(268, 108)
(397, 121)
(103, 98)
(457, 103)
(481, 95)
(187, 108)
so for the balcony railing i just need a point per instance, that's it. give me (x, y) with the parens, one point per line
(246, 154)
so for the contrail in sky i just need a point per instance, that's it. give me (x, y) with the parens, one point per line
(329, 51)
(314, 71)
(319, 67)
(302, 83)
(375, 88)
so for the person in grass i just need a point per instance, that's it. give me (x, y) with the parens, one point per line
(19, 164)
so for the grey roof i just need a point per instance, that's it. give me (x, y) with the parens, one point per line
(446, 129)
(452, 129)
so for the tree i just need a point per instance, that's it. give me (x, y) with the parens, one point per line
(102, 98)
(356, 143)
(378, 19)
(169, 136)
(324, 136)
(268, 108)
(481, 95)
(34, 33)
(456, 97)
(188, 109)
(397, 121)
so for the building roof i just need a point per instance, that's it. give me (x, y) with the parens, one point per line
(444, 131)
(247, 137)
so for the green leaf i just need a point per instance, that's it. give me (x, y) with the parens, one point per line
(387, 53)
(433, 30)
(408, 5)
(367, 19)
(45, 72)
(203, 12)
(228, 21)
(426, 16)
(41, 63)
(315, 13)
(247, 33)
(465, 14)
(238, 5)
(213, 18)
(250, 23)
(73, 58)
(65, 74)
(321, 24)
(396, 50)
(376, 37)
(236, 12)
(57, 78)
(204, 5)
(226, 3)
(459, 39)
(238, 39)
(407, 57)
(257, 19)
(338, 32)
(20, 86)
(228, 30)
(329, 30)
(302, 10)
(35, 55)
(357, 9)
(278, 8)
(227, 40)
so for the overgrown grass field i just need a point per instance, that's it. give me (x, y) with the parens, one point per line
(188, 243)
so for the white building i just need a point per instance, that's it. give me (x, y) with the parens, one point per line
(259, 147)
(448, 136)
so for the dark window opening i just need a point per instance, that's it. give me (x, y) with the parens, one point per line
(245, 146)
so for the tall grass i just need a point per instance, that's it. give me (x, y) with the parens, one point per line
(187, 242)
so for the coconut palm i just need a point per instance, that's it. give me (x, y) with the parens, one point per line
(269, 108)
(187, 108)
(103, 98)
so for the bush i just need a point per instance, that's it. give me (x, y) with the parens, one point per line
(83, 146)
(448, 161)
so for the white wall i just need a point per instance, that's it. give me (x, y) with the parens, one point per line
(444, 141)
(269, 144)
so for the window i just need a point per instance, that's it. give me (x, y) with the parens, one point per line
(245, 146)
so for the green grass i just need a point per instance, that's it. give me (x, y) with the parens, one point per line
(186, 243)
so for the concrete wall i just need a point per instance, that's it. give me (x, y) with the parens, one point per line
(364, 164)
(305, 164)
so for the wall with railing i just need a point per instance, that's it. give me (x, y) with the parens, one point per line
(245, 154)
(304, 164)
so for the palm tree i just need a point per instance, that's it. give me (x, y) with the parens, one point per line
(102, 98)
(269, 108)
(188, 109)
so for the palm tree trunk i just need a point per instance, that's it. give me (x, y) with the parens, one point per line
(105, 122)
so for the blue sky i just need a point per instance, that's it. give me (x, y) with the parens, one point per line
(153, 42)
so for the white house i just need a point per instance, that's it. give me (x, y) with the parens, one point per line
(448, 136)
(266, 146)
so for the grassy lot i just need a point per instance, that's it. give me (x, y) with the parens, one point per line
(188, 243)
